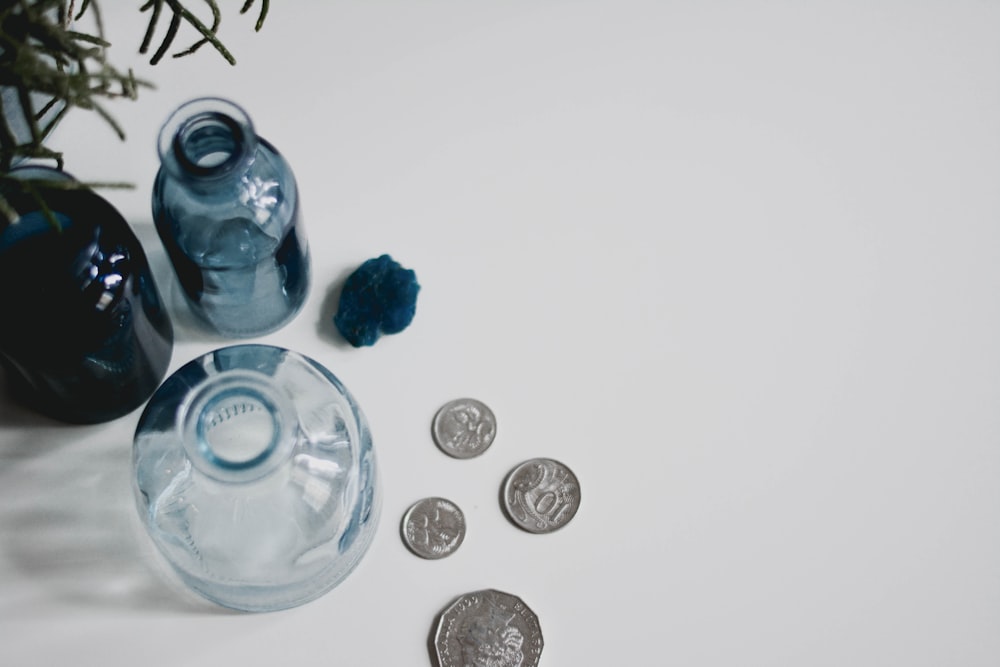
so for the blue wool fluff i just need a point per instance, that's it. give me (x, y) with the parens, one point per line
(379, 297)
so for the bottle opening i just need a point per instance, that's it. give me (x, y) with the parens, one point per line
(206, 138)
(209, 142)
(238, 429)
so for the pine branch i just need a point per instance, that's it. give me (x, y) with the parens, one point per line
(52, 68)
(47, 69)
(216, 20)
(264, 6)
(181, 14)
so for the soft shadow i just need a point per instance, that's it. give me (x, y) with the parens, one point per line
(325, 328)
(70, 524)
(16, 412)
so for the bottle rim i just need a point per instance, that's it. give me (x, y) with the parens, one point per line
(218, 447)
(207, 138)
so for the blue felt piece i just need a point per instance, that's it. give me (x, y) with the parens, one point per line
(379, 297)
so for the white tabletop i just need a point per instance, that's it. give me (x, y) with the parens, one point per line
(735, 263)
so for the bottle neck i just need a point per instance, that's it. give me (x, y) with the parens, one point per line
(237, 427)
(207, 142)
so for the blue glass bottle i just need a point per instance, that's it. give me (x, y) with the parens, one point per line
(255, 476)
(85, 337)
(226, 207)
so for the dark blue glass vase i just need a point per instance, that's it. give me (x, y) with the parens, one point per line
(226, 207)
(85, 337)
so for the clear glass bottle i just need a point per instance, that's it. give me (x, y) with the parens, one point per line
(85, 337)
(226, 207)
(256, 478)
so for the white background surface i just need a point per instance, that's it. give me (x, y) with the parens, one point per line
(736, 263)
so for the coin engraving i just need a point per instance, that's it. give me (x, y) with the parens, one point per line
(433, 528)
(541, 495)
(488, 628)
(464, 428)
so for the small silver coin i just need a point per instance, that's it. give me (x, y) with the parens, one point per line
(541, 495)
(488, 628)
(464, 428)
(433, 528)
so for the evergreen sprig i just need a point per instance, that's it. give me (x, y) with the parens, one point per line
(181, 14)
(52, 68)
(47, 67)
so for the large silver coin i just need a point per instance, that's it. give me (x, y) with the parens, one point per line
(488, 629)
(433, 528)
(464, 428)
(541, 495)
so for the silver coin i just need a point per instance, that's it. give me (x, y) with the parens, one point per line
(488, 629)
(541, 495)
(464, 428)
(433, 528)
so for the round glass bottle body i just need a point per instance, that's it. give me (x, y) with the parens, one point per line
(86, 337)
(226, 207)
(256, 477)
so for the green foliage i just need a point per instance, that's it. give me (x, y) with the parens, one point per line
(180, 13)
(48, 67)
